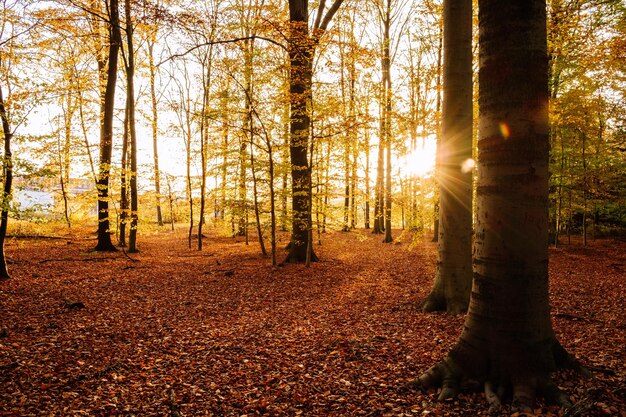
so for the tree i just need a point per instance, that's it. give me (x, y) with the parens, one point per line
(150, 42)
(7, 166)
(453, 279)
(302, 45)
(130, 79)
(106, 130)
(385, 14)
(508, 342)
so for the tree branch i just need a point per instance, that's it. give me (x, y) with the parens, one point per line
(219, 42)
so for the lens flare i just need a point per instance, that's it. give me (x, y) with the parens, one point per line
(468, 166)
(505, 131)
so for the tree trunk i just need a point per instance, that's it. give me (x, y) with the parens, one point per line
(204, 139)
(130, 75)
(301, 51)
(170, 200)
(438, 118)
(7, 167)
(106, 135)
(155, 131)
(378, 198)
(367, 177)
(507, 341)
(454, 264)
(386, 121)
(124, 204)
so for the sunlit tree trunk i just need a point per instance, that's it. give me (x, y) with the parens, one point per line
(207, 63)
(154, 125)
(453, 278)
(124, 203)
(367, 148)
(302, 46)
(106, 135)
(507, 340)
(385, 133)
(301, 73)
(170, 200)
(379, 200)
(438, 118)
(130, 76)
(63, 151)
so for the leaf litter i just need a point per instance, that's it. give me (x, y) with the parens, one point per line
(223, 333)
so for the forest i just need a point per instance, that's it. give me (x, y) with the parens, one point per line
(293, 207)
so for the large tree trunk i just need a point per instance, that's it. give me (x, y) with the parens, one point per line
(106, 135)
(507, 340)
(301, 51)
(453, 279)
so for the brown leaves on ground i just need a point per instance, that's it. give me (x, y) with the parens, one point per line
(222, 332)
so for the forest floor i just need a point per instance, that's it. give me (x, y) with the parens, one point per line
(177, 332)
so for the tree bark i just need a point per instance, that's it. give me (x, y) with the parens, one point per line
(106, 135)
(438, 118)
(508, 341)
(124, 204)
(453, 278)
(155, 130)
(7, 166)
(130, 75)
(301, 51)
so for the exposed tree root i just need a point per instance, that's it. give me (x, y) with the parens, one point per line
(294, 258)
(436, 301)
(521, 389)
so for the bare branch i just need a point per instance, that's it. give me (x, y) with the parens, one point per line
(220, 42)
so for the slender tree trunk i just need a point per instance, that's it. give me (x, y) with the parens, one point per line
(124, 203)
(388, 238)
(386, 121)
(454, 264)
(585, 188)
(225, 147)
(7, 166)
(85, 136)
(170, 200)
(271, 173)
(130, 75)
(438, 119)
(204, 139)
(367, 178)
(255, 193)
(378, 198)
(64, 163)
(106, 136)
(559, 208)
(284, 215)
(189, 187)
(352, 132)
(155, 131)
(507, 340)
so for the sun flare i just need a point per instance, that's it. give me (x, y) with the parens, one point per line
(421, 161)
